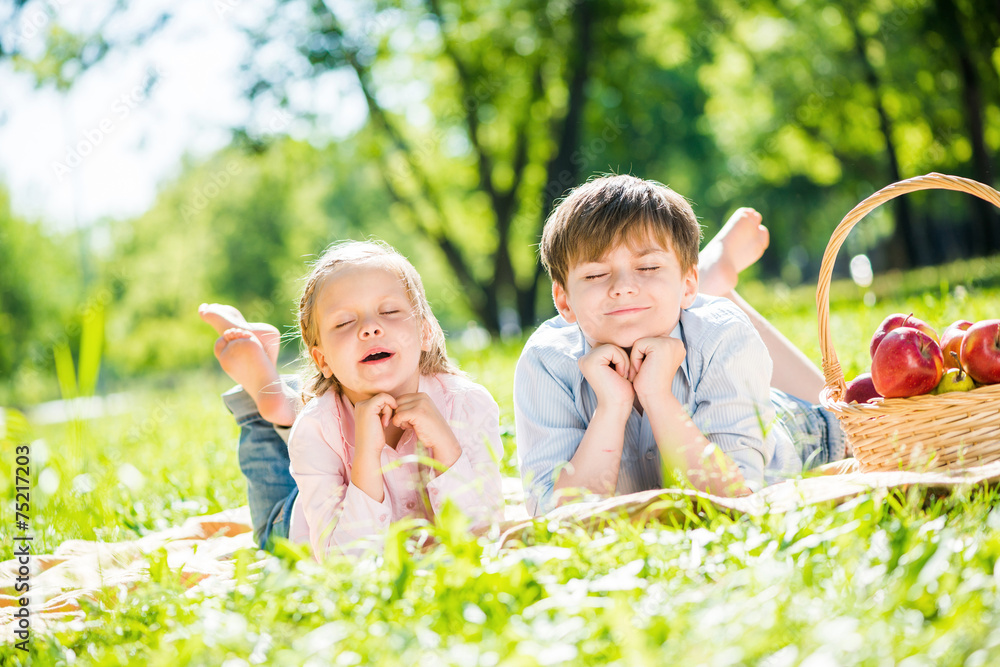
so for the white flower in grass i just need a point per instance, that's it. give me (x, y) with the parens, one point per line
(131, 477)
(84, 483)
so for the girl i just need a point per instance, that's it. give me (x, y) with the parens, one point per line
(389, 428)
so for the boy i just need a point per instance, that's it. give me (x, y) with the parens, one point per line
(638, 367)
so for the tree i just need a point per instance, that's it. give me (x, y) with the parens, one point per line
(507, 91)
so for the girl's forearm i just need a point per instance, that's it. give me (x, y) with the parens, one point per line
(595, 464)
(684, 448)
(366, 474)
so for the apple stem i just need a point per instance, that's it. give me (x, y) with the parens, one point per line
(961, 368)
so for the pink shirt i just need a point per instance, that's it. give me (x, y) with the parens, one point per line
(331, 512)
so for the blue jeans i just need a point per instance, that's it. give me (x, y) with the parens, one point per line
(263, 454)
(815, 431)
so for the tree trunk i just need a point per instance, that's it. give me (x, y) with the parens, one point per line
(563, 172)
(904, 248)
(985, 234)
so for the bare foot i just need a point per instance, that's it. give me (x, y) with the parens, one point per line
(740, 243)
(242, 356)
(223, 317)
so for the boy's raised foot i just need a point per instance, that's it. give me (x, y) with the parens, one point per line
(738, 245)
(223, 317)
(242, 356)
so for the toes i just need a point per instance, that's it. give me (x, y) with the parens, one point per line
(235, 333)
(220, 345)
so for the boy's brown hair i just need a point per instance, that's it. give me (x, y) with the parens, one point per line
(608, 211)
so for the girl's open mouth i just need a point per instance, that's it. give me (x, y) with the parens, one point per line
(375, 356)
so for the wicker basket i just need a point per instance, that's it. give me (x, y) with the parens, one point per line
(953, 430)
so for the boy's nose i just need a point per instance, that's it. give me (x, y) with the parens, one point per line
(623, 284)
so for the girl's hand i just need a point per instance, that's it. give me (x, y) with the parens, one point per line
(417, 411)
(654, 362)
(370, 419)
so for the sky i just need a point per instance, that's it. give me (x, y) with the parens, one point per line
(101, 149)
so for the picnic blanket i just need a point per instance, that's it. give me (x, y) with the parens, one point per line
(202, 548)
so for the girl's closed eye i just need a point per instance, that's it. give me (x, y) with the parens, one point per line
(648, 268)
(343, 324)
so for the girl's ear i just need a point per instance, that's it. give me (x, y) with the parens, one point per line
(320, 360)
(561, 298)
(690, 285)
(426, 336)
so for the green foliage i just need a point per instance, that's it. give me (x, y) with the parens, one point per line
(882, 579)
(38, 310)
(479, 115)
(964, 290)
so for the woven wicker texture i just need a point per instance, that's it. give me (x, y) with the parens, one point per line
(953, 430)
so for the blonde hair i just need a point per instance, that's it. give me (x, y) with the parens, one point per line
(381, 254)
(608, 211)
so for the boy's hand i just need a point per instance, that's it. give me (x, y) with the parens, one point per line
(654, 362)
(417, 411)
(607, 369)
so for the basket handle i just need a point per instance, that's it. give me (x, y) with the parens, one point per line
(832, 372)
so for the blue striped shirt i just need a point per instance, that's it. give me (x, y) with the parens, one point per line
(724, 383)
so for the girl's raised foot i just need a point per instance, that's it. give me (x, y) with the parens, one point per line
(223, 317)
(242, 356)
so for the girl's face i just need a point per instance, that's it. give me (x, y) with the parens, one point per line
(370, 337)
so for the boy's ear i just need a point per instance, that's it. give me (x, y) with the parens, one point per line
(690, 281)
(320, 360)
(561, 299)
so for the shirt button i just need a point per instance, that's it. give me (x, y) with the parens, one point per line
(434, 492)
(383, 517)
(410, 504)
(650, 455)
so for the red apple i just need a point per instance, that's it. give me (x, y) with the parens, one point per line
(907, 362)
(981, 352)
(899, 320)
(861, 390)
(951, 341)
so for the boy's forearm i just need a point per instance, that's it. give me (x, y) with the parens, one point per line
(595, 464)
(684, 448)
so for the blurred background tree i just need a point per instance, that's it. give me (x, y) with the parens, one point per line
(479, 115)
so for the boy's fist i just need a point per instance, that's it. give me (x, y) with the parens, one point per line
(607, 369)
(654, 362)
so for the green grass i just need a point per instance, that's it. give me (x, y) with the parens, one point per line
(884, 579)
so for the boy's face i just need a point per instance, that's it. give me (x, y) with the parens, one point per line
(628, 294)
